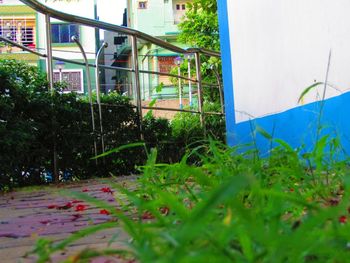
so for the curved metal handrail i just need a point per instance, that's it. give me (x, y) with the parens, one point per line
(59, 58)
(41, 8)
(101, 66)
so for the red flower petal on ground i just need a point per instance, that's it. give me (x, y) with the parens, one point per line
(52, 206)
(147, 215)
(106, 190)
(85, 190)
(164, 210)
(342, 219)
(66, 206)
(80, 208)
(104, 212)
(291, 190)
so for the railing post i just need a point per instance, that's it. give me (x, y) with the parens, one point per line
(88, 75)
(137, 82)
(98, 92)
(49, 71)
(180, 87)
(189, 82)
(214, 69)
(49, 67)
(199, 87)
(189, 57)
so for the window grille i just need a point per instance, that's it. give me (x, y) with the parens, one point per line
(20, 30)
(73, 79)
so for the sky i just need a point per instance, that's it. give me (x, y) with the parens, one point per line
(111, 11)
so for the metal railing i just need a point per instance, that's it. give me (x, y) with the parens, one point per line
(134, 35)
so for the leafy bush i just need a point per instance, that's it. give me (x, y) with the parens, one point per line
(188, 131)
(18, 130)
(35, 124)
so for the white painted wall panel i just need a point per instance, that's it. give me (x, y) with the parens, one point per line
(280, 47)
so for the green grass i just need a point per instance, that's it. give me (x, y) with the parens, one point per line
(291, 206)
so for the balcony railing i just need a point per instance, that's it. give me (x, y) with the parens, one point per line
(18, 29)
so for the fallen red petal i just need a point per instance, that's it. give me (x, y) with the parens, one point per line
(52, 206)
(80, 208)
(104, 212)
(106, 190)
(164, 210)
(147, 215)
(66, 206)
(342, 219)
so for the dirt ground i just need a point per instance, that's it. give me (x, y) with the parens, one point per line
(53, 213)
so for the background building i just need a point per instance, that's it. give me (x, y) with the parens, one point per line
(18, 23)
(24, 26)
(64, 47)
(158, 18)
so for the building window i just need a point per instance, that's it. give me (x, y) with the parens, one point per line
(142, 5)
(180, 6)
(62, 33)
(72, 77)
(20, 30)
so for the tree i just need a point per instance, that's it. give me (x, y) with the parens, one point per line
(200, 27)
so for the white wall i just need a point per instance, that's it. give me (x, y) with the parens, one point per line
(111, 11)
(156, 20)
(280, 47)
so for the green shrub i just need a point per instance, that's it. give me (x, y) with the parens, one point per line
(35, 123)
(20, 156)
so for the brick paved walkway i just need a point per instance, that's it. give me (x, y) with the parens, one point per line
(26, 216)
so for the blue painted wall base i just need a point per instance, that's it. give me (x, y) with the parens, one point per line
(298, 126)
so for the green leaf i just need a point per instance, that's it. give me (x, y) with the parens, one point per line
(121, 148)
(308, 89)
(263, 132)
(152, 103)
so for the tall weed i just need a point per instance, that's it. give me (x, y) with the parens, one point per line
(287, 207)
